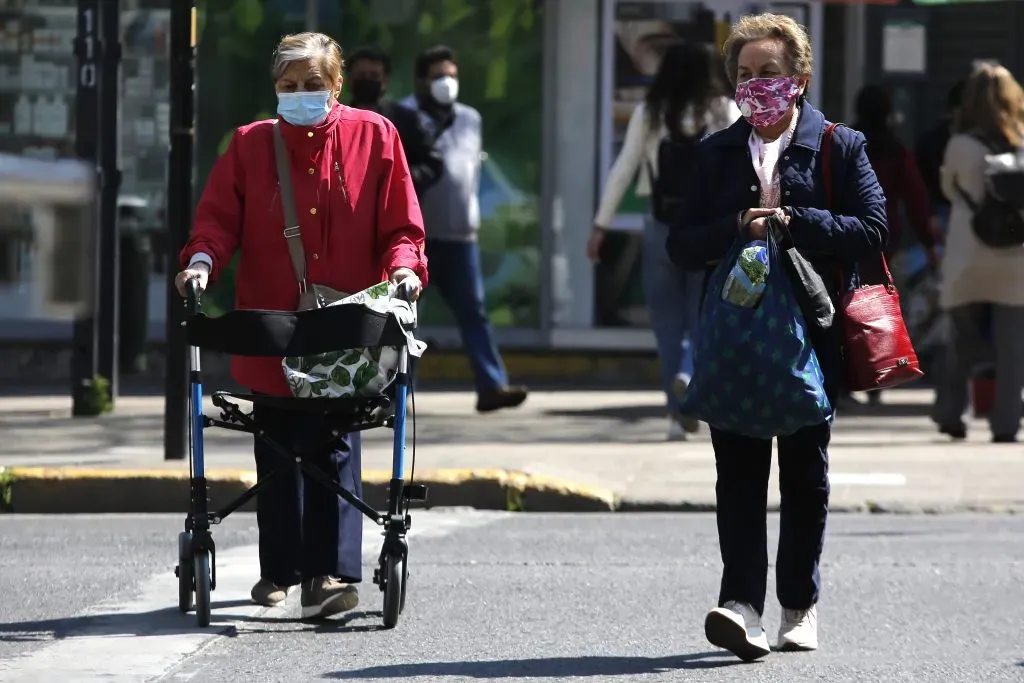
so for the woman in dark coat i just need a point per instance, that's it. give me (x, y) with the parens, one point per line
(768, 163)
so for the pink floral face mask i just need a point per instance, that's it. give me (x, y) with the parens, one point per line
(764, 101)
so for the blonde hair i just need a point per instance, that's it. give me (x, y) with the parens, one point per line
(755, 27)
(308, 47)
(992, 105)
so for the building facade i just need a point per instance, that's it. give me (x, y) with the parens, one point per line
(555, 81)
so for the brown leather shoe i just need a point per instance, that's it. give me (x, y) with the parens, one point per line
(324, 596)
(268, 594)
(499, 399)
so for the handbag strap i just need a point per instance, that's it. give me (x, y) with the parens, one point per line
(826, 175)
(292, 231)
(965, 198)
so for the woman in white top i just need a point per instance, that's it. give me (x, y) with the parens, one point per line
(686, 101)
(982, 287)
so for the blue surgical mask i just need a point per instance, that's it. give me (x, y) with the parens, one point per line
(304, 108)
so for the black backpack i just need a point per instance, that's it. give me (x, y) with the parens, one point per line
(998, 219)
(671, 179)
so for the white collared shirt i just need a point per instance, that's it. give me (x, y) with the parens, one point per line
(765, 155)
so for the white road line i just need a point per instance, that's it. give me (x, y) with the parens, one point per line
(867, 479)
(142, 639)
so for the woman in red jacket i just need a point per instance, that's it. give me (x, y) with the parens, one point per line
(360, 224)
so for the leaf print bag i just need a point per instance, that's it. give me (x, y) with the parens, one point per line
(755, 370)
(355, 372)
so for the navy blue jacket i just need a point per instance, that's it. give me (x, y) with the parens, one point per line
(833, 239)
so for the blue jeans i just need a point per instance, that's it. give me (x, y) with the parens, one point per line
(455, 273)
(672, 296)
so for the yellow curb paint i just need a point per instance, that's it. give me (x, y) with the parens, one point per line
(519, 481)
(72, 473)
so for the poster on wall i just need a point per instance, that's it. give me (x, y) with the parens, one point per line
(636, 34)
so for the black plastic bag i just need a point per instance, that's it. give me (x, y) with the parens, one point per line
(809, 287)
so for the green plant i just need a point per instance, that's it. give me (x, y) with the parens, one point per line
(513, 499)
(96, 398)
(6, 487)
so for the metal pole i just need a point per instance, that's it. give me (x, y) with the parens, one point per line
(109, 285)
(312, 14)
(87, 50)
(179, 219)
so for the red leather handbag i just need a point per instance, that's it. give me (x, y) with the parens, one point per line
(877, 351)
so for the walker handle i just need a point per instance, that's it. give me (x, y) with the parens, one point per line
(404, 292)
(192, 296)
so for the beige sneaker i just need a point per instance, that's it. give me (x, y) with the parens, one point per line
(679, 386)
(675, 430)
(269, 594)
(326, 595)
(799, 630)
(736, 627)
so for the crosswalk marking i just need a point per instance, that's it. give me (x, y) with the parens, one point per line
(144, 638)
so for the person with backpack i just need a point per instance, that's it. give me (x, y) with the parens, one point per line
(982, 288)
(686, 101)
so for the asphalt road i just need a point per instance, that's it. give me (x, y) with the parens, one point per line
(513, 598)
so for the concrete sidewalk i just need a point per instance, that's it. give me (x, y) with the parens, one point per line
(587, 450)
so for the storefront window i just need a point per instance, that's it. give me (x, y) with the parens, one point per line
(499, 47)
(37, 119)
(145, 137)
(639, 33)
(37, 96)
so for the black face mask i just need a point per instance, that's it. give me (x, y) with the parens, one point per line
(366, 90)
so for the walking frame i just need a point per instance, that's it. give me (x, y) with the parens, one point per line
(286, 334)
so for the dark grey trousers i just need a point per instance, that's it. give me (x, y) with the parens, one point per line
(979, 334)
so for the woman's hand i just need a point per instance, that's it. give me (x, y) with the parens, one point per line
(755, 221)
(406, 275)
(594, 244)
(197, 271)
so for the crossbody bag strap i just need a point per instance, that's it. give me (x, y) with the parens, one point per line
(292, 231)
(826, 165)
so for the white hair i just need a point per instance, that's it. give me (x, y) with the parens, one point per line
(308, 47)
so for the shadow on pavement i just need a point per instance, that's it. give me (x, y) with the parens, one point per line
(170, 621)
(344, 624)
(163, 622)
(553, 667)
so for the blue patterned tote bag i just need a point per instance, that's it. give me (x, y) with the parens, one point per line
(755, 371)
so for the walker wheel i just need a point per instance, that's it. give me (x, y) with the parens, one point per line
(203, 579)
(405, 584)
(186, 576)
(394, 589)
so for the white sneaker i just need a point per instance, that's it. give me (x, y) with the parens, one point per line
(675, 430)
(737, 628)
(799, 630)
